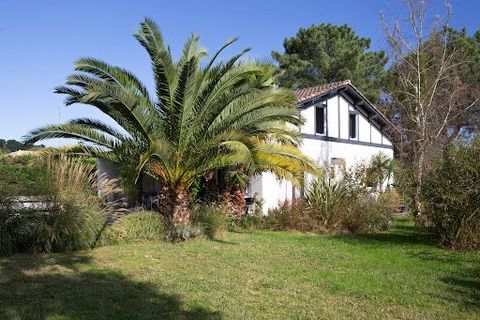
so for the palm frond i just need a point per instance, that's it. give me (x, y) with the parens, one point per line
(150, 37)
(72, 131)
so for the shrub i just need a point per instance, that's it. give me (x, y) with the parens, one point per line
(14, 226)
(70, 218)
(451, 195)
(212, 219)
(291, 216)
(248, 222)
(370, 213)
(143, 225)
(23, 175)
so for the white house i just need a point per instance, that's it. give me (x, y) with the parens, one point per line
(342, 128)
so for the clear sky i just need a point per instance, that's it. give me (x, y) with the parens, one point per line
(39, 40)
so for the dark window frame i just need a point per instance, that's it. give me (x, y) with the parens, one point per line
(353, 125)
(323, 111)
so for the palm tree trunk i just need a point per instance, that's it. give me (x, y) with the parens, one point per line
(175, 204)
(235, 201)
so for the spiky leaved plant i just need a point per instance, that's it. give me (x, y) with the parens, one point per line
(203, 117)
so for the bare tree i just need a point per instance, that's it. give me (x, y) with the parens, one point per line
(426, 92)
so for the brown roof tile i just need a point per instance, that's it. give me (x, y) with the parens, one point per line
(312, 92)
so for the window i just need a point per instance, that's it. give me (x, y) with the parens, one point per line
(320, 119)
(352, 126)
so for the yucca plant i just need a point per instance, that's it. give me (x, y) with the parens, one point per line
(325, 195)
(204, 116)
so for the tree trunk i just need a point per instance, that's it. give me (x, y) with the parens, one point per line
(419, 208)
(234, 200)
(175, 204)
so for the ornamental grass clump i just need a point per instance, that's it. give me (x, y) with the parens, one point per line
(212, 219)
(67, 215)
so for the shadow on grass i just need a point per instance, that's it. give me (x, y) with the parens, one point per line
(464, 282)
(58, 286)
(397, 235)
(466, 286)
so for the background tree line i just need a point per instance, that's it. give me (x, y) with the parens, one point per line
(12, 145)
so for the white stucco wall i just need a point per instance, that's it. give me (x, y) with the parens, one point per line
(309, 117)
(332, 117)
(344, 112)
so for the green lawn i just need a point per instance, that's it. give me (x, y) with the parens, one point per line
(258, 275)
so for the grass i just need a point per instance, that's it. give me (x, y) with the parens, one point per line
(260, 275)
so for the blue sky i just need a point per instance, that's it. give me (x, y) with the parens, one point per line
(39, 40)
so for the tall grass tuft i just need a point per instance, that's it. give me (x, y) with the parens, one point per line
(69, 215)
(212, 219)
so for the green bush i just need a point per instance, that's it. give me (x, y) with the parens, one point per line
(247, 222)
(451, 195)
(182, 233)
(70, 223)
(72, 217)
(25, 175)
(15, 226)
(143, 225)
(65, 225)
(212, 219)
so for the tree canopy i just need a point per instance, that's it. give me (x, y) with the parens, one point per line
(456, 94)
(326, 53)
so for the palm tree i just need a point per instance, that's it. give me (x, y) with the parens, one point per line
(203, 117)
(382, 169)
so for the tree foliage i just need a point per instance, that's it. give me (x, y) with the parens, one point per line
(430, 89)
(467, 58)
(202, 117)
(326, 53)
(452, 196)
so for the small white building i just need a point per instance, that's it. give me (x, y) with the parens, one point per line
(342, 128)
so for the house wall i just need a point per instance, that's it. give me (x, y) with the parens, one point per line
(108, 170)
(322, 148)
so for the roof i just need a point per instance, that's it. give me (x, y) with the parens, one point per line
(306, 95)
(313, 92)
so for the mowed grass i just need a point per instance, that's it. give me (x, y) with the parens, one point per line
(258, 275)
